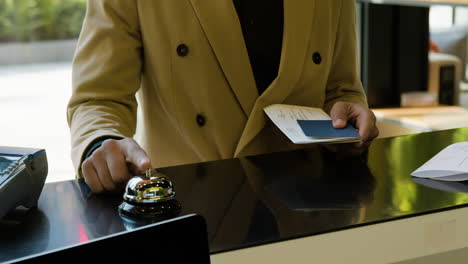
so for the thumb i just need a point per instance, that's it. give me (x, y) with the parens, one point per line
(135, 155)
(340, 114)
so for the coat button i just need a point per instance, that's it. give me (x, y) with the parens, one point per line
(317, 58)
(201, 120)
(182, 50)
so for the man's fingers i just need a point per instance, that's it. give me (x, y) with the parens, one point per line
(367, 127)
(360, 116)
(376, 131)
(364, 125)
(100, 164)
(106, 169)
(118, 168)
(115, 160)
(90, 176)
(340, 114)
(135, 155)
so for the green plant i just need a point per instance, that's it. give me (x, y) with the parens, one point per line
(31, 20)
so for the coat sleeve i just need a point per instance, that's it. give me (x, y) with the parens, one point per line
(344, 82)
(106, 75)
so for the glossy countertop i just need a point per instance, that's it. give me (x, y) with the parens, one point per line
(259, 199)
(419, 2)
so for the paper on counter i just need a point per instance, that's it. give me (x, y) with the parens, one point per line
(450, 164)
(285, 118)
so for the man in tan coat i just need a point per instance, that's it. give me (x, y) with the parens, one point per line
(197, 68)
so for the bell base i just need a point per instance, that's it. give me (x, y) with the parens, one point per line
(150, 211)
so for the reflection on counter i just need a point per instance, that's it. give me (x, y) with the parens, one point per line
(307, 190)
(276, 196)
(393, 160)
(28, 227)
(449, 186)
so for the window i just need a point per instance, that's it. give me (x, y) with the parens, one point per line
(461, 15)
(37, 43)
(442, 16)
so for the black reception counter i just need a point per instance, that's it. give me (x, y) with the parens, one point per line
(257, 200)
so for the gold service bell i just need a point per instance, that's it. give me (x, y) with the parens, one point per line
(149, 196)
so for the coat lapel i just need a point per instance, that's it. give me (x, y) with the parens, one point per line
(222, 27)
(298, 19)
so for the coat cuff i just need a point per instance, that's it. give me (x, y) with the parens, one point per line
(96, 144)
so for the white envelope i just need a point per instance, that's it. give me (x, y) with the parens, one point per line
(450, 164)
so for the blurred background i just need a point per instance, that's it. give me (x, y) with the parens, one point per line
(414, 68)
(37, 43)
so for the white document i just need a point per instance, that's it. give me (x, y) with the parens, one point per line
(285, 118)
(451, 164)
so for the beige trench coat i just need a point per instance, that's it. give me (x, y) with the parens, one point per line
(129, 49)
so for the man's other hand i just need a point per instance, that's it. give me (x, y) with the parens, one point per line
(357, 115)
(113, 164)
